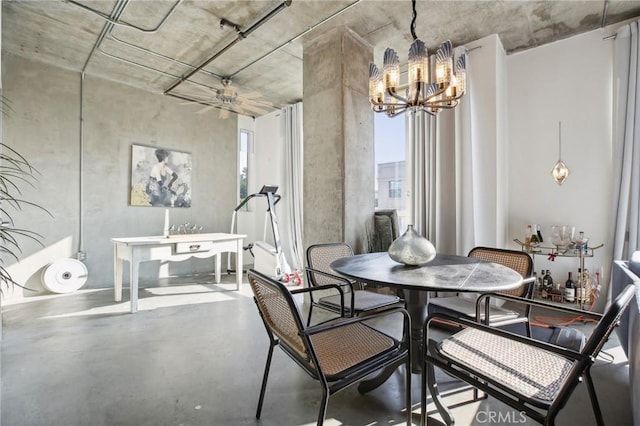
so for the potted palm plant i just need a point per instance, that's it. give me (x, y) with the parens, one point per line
(15, 171)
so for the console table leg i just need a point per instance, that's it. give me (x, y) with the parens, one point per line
(239, 264)
(134, 267)
(117, 275)
(217, 266)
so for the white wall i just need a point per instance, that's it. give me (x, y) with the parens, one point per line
(568, 81)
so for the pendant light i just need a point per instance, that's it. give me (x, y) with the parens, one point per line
(560, 171)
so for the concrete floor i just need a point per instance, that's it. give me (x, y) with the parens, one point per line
(194, 355)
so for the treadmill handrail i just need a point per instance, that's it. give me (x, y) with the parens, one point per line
(276, 198)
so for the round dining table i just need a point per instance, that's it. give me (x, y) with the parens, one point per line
(446, 273)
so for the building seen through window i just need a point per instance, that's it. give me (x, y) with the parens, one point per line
(395, 188)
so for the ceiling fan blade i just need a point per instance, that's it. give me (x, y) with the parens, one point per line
(258, 103)
(205, 109)
(223, 114)
(253, 108)
(251, 95)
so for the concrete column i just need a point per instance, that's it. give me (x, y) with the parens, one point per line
(338, 140)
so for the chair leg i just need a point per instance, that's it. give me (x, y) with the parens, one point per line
(446, 415)
(423, 395)
(407, 391)
(309, 316)
(323, 403)
(264, 379)
(594, 398)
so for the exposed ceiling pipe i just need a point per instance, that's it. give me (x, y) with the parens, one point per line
(604, 14)
(194, 69)
(116, 20)
(111, 36)
(223, 22)
(156, 54)
(241, 36)
(129, 61)
(118, 9)
(291, 40)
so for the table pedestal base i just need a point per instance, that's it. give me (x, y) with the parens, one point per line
(417, 304)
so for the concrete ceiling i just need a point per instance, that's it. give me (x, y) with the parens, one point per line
(154, 44)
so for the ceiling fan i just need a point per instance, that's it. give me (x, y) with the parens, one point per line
(227, 99)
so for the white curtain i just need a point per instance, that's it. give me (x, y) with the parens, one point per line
(291, 119)
(626, 142)
(626, 179)
(440, 172)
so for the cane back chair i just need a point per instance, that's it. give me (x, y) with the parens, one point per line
(357, 300)
(465, 306)
(337, 353)
(534, 377)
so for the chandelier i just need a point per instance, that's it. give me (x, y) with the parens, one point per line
(421, 93)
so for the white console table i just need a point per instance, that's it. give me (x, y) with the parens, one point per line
(174, 248)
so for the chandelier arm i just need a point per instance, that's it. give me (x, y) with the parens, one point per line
(395, 95)
(397, 112)
(389, 107)
(446, 106)
(442, 102)
(389, 104)
(426, 111)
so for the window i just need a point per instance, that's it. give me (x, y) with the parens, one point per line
(244, 149)
(390, 155)
(395, 189)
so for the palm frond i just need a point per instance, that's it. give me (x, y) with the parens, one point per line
(15, 171)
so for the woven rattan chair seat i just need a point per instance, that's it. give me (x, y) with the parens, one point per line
(341, 348)
(468, 307)
(532, 372)
(363, 300)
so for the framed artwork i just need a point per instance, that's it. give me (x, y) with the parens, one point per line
(160, 177)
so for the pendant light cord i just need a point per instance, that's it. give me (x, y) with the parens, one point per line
(413, 20)
(559, 140)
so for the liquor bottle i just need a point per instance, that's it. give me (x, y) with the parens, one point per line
(535, 241)
(578, 286)
(547, 283)
(536, 285)
(527, 238)
(543, 286)
(539, 233)
(569, 289)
